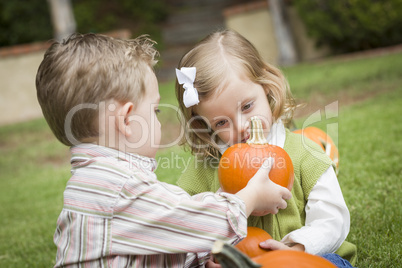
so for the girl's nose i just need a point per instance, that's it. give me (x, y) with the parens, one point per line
(242, 126)
(245, 125)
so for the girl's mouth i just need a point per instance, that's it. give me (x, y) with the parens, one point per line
(246, 138)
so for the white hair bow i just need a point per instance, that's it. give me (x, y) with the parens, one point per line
(186, 76)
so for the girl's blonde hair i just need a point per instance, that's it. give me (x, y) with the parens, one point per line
(215, 57)
(84, 70)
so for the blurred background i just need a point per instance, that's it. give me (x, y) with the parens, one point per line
(286, 32)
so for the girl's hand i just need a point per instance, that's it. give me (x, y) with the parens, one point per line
(276, 245)
(211, 264)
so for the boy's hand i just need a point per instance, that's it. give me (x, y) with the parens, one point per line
(271, 195)
(261, 195)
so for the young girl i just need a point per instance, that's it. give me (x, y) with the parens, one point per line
(222, 83)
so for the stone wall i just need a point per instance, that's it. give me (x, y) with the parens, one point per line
(254, 21)
(18, 67)
(17, 86)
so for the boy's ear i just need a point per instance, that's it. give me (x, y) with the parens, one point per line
(123, 121)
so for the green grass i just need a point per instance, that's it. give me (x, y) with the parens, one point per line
(369, 142)
(34, 166)
(34, 169)
(334, 77)
(370, 176)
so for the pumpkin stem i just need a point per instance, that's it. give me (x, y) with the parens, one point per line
(257, 132)
(229, 257)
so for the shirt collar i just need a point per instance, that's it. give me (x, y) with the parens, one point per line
(276, 136)
(86, 152)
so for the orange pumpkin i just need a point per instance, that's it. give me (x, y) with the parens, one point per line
(251, 244)
(240, 162)
(230, 257)
(292, 259)
(324, 140)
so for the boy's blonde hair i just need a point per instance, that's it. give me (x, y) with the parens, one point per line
(215, 57)
(85, 70)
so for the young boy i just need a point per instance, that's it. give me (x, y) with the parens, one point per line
(100, 96)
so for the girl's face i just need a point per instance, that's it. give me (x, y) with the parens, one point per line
(228, 113)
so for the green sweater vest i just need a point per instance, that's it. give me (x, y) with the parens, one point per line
(309, 162)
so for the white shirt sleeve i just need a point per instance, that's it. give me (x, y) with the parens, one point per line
(327, 218)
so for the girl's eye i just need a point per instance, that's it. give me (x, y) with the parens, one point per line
(157, 111)
(221, 123)
(247, 106)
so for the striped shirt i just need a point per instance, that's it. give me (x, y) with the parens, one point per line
(117, 214)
